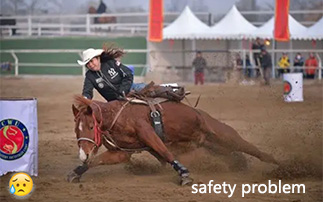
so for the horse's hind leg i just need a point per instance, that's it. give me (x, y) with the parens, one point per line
(147, 134)
(105, 158)
(235, 160)
(226, 136)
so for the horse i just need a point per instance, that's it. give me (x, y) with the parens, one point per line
(103, 19)
(124, 128)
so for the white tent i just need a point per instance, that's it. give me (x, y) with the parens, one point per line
(266, 31)
(313, 32)
(232, 26)
(186, 26)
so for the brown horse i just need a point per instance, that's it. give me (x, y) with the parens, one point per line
(124, 127)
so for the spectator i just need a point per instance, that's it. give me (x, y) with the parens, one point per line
(257, 45)
(298, 62)
(266, 65)
(239, 61)
(199, 64)
(311, 65)
(283, 64)
(102, 8)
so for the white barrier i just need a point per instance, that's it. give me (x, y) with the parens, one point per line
(293, 87)
(18, 136)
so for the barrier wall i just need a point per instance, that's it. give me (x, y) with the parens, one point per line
(66, 43)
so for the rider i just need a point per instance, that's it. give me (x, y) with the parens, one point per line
(106, 74)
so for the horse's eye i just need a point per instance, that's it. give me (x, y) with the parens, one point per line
(91, 127)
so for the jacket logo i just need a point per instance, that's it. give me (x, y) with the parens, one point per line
(98, 80)
(112, 72)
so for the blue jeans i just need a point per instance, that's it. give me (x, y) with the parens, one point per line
(137, 86)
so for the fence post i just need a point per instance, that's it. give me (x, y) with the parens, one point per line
(29, 26)
(16, 63)
(83, 67)
(88, 30)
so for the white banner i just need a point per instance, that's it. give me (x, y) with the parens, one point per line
(293, 87)
(18, 136)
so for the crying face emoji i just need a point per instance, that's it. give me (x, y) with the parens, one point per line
(20, 184)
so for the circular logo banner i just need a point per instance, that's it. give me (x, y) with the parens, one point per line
(14, 139)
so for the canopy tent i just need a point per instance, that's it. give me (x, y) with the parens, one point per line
(313, 32)
(186, 26)
(266, 31)
(232, 26)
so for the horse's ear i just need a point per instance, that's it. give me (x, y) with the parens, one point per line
(75, 110)
(94, 109)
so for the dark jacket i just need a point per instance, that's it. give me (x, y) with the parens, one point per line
(116, 73)
(102, 8)
(266, 61)
(199, 64)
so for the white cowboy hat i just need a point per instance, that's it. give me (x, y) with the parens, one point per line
(88, 54)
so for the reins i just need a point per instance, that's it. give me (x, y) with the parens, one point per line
(106, 135)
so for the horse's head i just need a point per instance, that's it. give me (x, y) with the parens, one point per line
(87, 130)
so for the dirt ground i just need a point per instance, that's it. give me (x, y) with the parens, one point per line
(292, 132)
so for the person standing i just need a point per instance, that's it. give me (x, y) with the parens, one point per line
(283, 64)
(311, 65)
(199, 64)
(257, 46)
(266, 65)
(298, 62)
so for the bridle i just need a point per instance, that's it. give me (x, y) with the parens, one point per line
(97, 130)
(98, 133)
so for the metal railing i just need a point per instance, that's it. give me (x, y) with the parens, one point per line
(17, 64)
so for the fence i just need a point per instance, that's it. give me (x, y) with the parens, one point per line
(125, 23)
(140, 69)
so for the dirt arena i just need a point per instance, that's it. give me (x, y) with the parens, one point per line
(292, 132)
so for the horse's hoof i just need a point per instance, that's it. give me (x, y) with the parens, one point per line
(186, 181)
(72, 177)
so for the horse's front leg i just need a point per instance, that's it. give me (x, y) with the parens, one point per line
(147, 134)
(105, 158)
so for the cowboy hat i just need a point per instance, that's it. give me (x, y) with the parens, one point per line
(88, 54)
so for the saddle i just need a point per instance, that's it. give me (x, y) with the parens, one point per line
(153, 95)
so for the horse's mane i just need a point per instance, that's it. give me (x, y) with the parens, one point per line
(81, 102)
(111, 52)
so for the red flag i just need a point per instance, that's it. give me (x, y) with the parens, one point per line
(156, 21)
(281, 31)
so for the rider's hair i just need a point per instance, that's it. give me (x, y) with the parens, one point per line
(111, 52)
